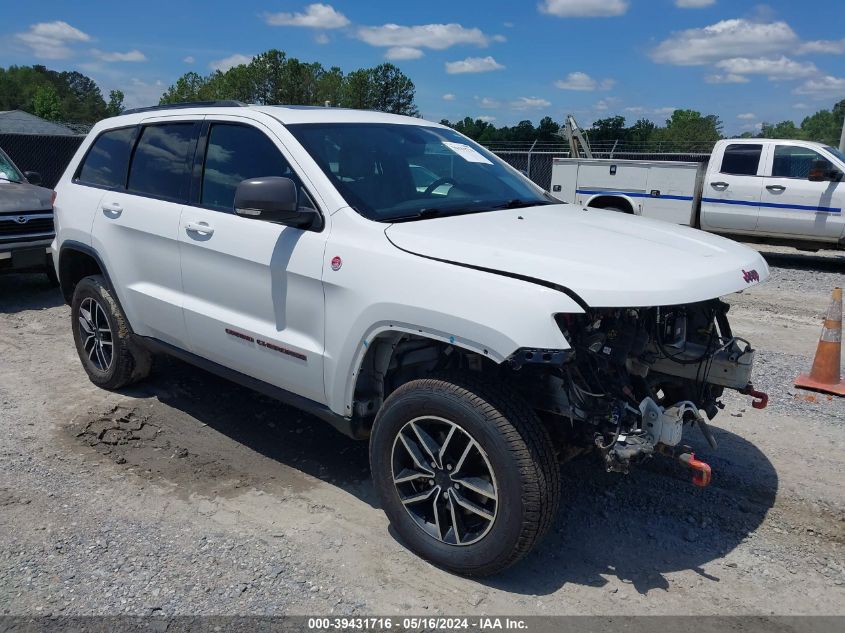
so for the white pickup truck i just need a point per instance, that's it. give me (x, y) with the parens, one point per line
(776, 191)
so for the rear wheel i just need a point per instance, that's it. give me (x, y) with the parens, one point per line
(465, 472)
(111, 357)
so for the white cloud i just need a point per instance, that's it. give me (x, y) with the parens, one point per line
(487, 102)
(694, 4)
(230, 62)
(473, 65)
(315, 16)
(665, 111)
(635, 109)
(724, 40)
(529, 103)
(583, 82)
(139, 94)
(746, 116)
(776, 69)
(448, 97)
(321, 38)
(403, 52)
(435, 36)
(829, 47)
(822, 87)
(189, 59)
(486, 118)
(752, 127)
(129, 56)
(730, 78)
(601, 106)
(51, 40)
(800, 106)
(583, 8)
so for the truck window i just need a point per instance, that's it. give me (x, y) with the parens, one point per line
(741, 159)
(106, 161)
(792, 161)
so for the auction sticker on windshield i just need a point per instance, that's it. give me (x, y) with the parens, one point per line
(466, 152)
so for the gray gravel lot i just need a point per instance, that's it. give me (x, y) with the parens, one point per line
(189, 495)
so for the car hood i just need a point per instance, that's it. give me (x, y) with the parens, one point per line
(21, 196)
(608, 259)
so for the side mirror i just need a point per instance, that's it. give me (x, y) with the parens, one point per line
(273, 199)
(33, 177)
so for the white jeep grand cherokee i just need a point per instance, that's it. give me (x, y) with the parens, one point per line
(395, 279)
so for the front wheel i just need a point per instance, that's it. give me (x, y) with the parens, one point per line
(465, 472)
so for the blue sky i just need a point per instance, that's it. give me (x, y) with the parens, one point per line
(507, 61)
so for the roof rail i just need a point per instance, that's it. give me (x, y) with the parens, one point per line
(228, 103)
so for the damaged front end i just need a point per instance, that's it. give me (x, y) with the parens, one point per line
(634, 377)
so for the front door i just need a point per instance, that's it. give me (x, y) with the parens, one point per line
(793, 205)
(730, 196)
(253, 289)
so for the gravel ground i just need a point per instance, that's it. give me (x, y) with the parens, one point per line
(189, 495)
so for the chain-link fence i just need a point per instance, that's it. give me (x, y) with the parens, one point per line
(47, 154)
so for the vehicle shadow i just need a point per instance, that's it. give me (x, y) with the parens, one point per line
(277, 431)
(637, 528)
(27, 291)
(653, 522)
(805, 261)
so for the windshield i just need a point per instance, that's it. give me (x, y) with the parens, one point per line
(390, 172)
(836, 153)
(8, 171)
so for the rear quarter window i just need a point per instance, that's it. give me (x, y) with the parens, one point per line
(105, 163)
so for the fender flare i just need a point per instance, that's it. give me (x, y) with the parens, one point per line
(613, 195)
(74, 246)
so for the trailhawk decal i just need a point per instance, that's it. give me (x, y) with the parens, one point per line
(266, 344)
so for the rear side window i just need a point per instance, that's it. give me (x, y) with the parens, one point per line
(161, 164)
(791, 161)
(235, 153)
(741, 159)
(106, 161)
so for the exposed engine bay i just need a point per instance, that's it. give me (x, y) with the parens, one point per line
(632, 379)
(636, 376)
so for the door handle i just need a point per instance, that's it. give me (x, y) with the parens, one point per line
(199, 227)
(719, 185)
(776, 188)
(112, 209)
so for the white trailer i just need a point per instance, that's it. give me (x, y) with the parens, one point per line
(778, 191)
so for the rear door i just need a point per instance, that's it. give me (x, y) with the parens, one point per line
(136, 228)
(730, 199)
(793, 205)
(253, 289)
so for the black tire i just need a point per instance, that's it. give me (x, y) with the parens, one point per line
(128, 362)
(518, 451)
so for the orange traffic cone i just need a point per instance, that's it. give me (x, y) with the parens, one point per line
(824, 376)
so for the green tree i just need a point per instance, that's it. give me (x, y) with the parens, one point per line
(688, 127)
(784, 129)
(392, 91)
(46, 104)
(825, 126)
(609, 129)
(357, 90)
(115, 104)
(186, 88)
(330, 86)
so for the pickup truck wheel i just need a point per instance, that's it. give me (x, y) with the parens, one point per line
(465, 472)
(110, 356)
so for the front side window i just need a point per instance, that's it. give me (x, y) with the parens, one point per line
(236, 153)
(741, 159)
(161, 164)
(106, 162)
(791, 161)
(389, 172)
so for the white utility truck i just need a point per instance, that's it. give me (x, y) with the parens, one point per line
(776, 191)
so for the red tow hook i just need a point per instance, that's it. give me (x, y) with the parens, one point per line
(702, 476)
(760, 399)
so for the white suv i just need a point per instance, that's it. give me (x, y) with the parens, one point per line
(395, 279)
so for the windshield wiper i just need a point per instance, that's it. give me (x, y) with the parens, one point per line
(518, 203)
